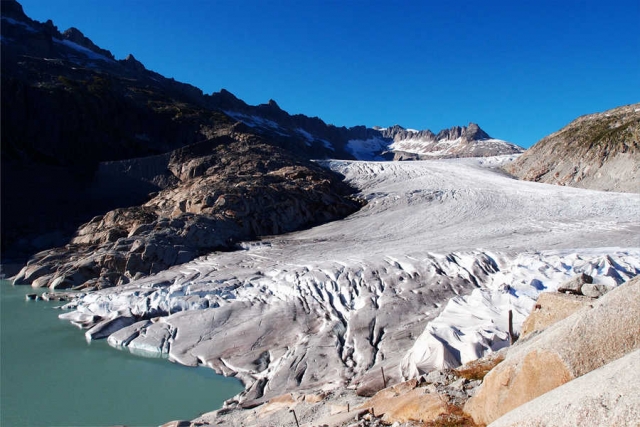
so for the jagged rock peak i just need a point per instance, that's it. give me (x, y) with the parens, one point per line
(75, 35)
(469, 133)
(273, 104)
(13, 9)
(226, 100)
(131, 62)
(472, 132)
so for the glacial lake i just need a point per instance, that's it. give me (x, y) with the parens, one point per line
(51, 376)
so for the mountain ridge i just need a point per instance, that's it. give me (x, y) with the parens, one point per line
(598, 151)
(75, 106)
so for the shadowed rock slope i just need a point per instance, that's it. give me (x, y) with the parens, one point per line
(232, 187)
(598, 151)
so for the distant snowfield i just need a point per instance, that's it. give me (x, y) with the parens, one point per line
(422, 277)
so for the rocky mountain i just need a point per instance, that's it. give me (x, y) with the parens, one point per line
(360, 142)
(465, 141)
(78, 114)
(72, 106)
(230, 188)
(599, 151)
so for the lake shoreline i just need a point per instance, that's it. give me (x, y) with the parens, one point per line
(47, 363)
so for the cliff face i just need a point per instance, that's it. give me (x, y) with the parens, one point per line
(598, 151)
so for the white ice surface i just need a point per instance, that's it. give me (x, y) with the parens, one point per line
(422, 277)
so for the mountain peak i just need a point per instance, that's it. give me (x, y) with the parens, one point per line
(273, 104)
(474, 132)
(226, 100)
(13, 9)
(75, 35)
(132, 63)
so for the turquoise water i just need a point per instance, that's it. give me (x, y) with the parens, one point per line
(50, 376)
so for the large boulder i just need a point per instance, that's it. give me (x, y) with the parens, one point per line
(582, 342)
(608, 396)
(550, 308)
(574, 285)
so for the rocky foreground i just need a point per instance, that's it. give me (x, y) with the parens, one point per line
(576, 365)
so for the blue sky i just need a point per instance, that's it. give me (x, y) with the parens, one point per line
(520, 69)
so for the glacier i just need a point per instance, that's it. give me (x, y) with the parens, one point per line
(420, 278)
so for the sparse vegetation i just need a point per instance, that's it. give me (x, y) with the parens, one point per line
(477, 369)
(454, 417)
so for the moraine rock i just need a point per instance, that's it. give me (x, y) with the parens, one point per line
(574, 285)
(607, 396)
(550, 308)
(594, 290)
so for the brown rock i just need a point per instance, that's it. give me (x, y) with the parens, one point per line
(230, 188)
(550, 308)
(509, 386)
(574, 285)
(607, 396)
(415, 405)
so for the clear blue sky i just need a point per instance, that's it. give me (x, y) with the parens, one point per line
(520, 69)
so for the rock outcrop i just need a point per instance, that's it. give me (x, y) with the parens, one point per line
(598, 151)
(550, 308)
(458, 141)
(607, 396)
(573, 347)
(231, 188)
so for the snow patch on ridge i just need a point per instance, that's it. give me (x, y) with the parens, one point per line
(367, 149)
(252, 121)
(83, 50)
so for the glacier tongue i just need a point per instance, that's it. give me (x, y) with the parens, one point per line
(421, 278)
